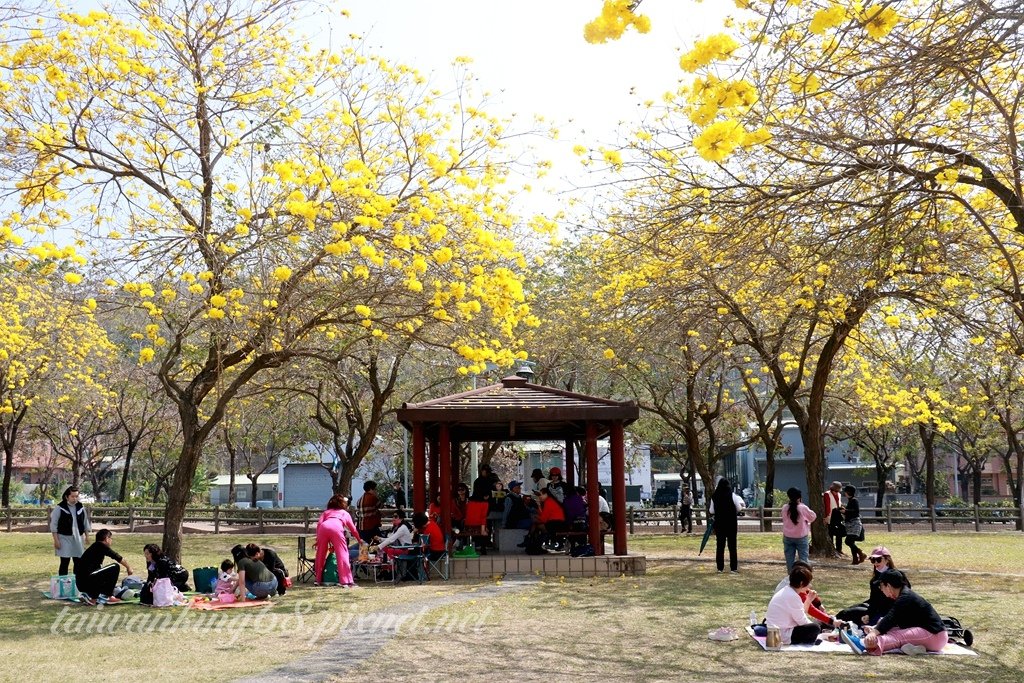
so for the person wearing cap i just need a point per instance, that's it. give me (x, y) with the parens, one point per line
(515, 515)
(556, 485)
(833, 507)
(911, 625)
(877, 604)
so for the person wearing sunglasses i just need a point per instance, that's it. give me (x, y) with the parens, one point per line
(878, 603)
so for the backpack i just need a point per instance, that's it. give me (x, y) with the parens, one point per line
(582, 550)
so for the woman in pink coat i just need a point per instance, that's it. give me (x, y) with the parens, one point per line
(330, 529)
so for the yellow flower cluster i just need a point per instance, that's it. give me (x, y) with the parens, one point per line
(828, 18)
(712, 49)
(720, 139)
(880, 21)
(616, 16)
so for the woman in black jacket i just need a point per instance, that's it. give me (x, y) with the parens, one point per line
(161, 567)
(725, 506)
(854, 525)
(877, 604)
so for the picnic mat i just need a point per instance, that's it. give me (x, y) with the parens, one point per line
(131, 601)
(209, 606)
(839, 647)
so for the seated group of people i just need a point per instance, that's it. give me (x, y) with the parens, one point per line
(894, 618)
(259, 570)
(550, 508)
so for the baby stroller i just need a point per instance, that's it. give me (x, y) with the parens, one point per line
(957, 633)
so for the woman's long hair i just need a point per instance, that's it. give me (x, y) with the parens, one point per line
(722, 498)
(154, 551)
(794, 504)
(67, 492)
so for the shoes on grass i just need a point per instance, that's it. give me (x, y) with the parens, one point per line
(723, 634)
(912, 650)
(853, 642)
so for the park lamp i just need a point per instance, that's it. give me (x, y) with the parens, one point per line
(525, 371)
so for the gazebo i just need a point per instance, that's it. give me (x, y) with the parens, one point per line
(517, 410)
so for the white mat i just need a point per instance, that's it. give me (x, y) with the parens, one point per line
(839, 647)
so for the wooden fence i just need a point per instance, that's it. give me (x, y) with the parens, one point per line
(904, 518)
(647, 519)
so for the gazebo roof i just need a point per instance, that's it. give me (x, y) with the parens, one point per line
(516, 410)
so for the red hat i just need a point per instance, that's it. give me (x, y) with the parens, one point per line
(554, 471)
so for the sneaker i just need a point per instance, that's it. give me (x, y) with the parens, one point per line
(854, 642)
(85, 599)
(912, 649)
(723, 634)
(112, 600)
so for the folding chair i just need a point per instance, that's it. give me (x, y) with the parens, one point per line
(306, 566)
(413, 560)
(440, 565)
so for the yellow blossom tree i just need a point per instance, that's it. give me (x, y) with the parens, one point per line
(49, 349)
(257, 198)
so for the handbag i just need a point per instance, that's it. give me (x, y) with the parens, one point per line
(836, 525)
(855, 528)
(63, 587)
(164, 593)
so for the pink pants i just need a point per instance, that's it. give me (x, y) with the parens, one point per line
(898, 637)
(331, 531)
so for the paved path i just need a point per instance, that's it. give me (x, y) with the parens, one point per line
(363, 638)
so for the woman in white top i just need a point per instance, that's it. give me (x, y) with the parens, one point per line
(788, 610)
(796, 527)
(400, 534)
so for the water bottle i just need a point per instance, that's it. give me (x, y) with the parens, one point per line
(753, 618)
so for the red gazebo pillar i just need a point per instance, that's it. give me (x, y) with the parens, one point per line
(434, 483)
(419, 469)
(445, 462)
(570, 463)
(593, 518)
(456, 468)
(618, 447)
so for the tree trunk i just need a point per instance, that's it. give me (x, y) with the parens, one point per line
(976, 480)
(8, 464)
(179, 493)
(928, 444)
(769, 484)
(814, 457)
(122, 493)
(254, 482)
(231, 476)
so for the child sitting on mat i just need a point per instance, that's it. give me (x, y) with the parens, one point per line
(227, 579)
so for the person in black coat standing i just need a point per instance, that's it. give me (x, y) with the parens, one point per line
(725, 506)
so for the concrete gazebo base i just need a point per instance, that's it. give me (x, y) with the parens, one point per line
(490, 566)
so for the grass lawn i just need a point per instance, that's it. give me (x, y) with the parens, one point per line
(652, 627)
(201, 646)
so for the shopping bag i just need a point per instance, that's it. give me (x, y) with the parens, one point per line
(63, 587)
(164, 593)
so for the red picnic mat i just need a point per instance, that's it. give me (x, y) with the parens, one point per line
(209, 606)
